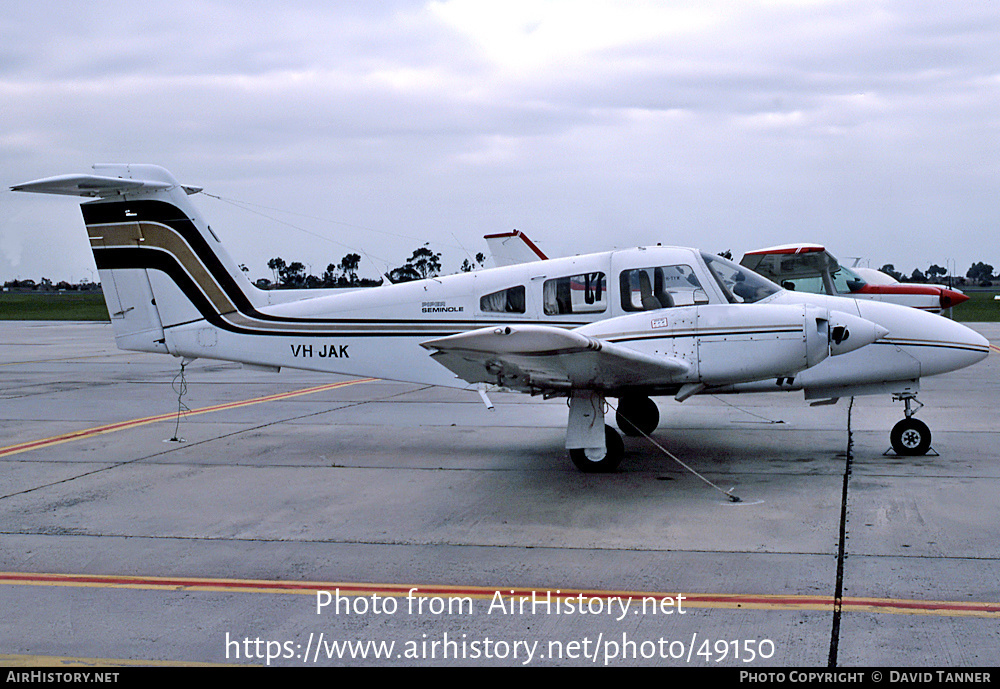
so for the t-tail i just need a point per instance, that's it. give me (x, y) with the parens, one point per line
(159, 262)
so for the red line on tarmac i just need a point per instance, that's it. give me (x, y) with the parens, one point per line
(690, 600)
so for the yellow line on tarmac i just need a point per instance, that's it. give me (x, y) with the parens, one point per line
(731, 601)
(66, 662)
(125, 425)
(65, 358)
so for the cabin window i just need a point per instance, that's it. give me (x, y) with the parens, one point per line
(509, 300)
(647, 289)
(586, 293)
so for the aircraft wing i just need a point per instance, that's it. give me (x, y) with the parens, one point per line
(539, 358)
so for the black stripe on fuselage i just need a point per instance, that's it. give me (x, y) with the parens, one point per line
(155, 259)
(170, 216)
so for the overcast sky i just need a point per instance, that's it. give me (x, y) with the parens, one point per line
(870, 127)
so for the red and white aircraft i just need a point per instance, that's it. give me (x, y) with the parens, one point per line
(629, 324)
(811, 268)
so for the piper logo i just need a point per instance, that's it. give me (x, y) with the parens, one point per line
(658, 323)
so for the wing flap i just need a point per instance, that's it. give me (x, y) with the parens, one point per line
(538, 357)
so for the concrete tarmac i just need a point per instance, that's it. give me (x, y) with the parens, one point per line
(118, 544)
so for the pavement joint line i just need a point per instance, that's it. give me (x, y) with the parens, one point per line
(838, 607)
(731, 601)
(134, 423)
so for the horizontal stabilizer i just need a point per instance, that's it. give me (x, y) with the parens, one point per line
(546, 358)
(94, 186)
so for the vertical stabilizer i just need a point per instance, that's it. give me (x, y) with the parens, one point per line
(512, 248)
(160, 263)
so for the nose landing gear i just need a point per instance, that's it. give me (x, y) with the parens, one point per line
(910, 436)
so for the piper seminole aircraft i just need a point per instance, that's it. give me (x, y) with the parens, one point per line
(628, 324)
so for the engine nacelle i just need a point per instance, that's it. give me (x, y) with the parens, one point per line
(737, 343)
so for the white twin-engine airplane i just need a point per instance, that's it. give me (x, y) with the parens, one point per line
(628, 324)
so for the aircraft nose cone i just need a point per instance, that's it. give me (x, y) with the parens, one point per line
(967, 347)
(978, 347)
(939, 344)
(952, 297)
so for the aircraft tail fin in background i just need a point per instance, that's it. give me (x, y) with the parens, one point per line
(512, 248)
(160, 263)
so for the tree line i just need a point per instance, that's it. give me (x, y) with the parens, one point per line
(978, 274)
(46, 285)
(293, 275)
(423, 263)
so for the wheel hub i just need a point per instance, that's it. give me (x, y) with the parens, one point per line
(911, 438)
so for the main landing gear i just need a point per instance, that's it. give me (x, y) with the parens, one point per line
(593, 446)
(613, 453)
(596, 447)
(910, 436)
(637, 415)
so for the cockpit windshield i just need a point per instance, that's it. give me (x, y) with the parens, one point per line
(740, 285)
(846, 281)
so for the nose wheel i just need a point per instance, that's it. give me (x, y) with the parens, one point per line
(910, 436)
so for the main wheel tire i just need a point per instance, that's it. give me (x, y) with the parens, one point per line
(910, 437)
(637, 416)
(612, 458)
